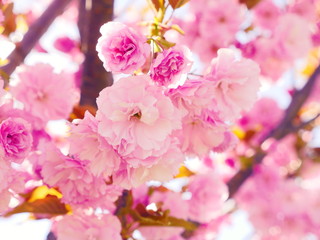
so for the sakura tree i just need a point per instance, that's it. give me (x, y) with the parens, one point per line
(161, 122)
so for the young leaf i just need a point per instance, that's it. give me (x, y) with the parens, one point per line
(156, 4)
(177, 3)
(50, 205)
(250, 3)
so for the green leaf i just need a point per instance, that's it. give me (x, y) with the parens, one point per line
(50, 205)
(177, 3)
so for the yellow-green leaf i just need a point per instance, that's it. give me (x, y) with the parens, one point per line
(177, 28)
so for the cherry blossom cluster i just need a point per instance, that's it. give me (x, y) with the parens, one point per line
(164, 139)
(274, 34)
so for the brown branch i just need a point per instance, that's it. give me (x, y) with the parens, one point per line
(92, 15)
(35, 32)
(285, 127)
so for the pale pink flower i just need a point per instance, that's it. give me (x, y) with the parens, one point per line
(193, 96)
(207, 49)
(87, 144)
(137, 119)
(3, 92)
(82, 226)
(209, 193)
(45, 94)
(73, 178)
(12, 182)
(164, 168)
(200, 134)
(257, 115)
(15, 139)
(266, 14)
(307, 9)
(220, 22)
(293, 37)
(236, 83)
(121, 48)
(169, 65)
(271, 61)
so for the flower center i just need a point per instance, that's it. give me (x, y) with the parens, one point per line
(135, 114)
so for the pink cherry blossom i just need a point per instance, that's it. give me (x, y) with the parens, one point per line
(266, 14)
(12, 182)
(200, 134)
(15, 139)
(73, 178)
(163, 169)
(194, 96)
(137, 119)
(45, 94)
(226, 23)
(87, 144)
(82, 226)
(305, 9)
(169, 65)
(208, 196)
(236, 81)
(121, 48)
(293, 36)
(65, 44)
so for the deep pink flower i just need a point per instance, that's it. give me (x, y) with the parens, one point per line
(15, 139)
(169, 65)
(45, 94)
(121, 49)
(65, 44)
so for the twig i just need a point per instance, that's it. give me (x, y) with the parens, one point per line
(285, 127)
(92, 15)
(36, 30)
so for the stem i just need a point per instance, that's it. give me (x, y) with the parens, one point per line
(35, 32)
(92, 15)
(285, 127)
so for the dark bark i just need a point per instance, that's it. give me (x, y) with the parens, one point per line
(92, 15)
(30, 39)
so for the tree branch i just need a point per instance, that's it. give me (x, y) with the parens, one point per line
(92, 15)
(285, 127)
(35, 32)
